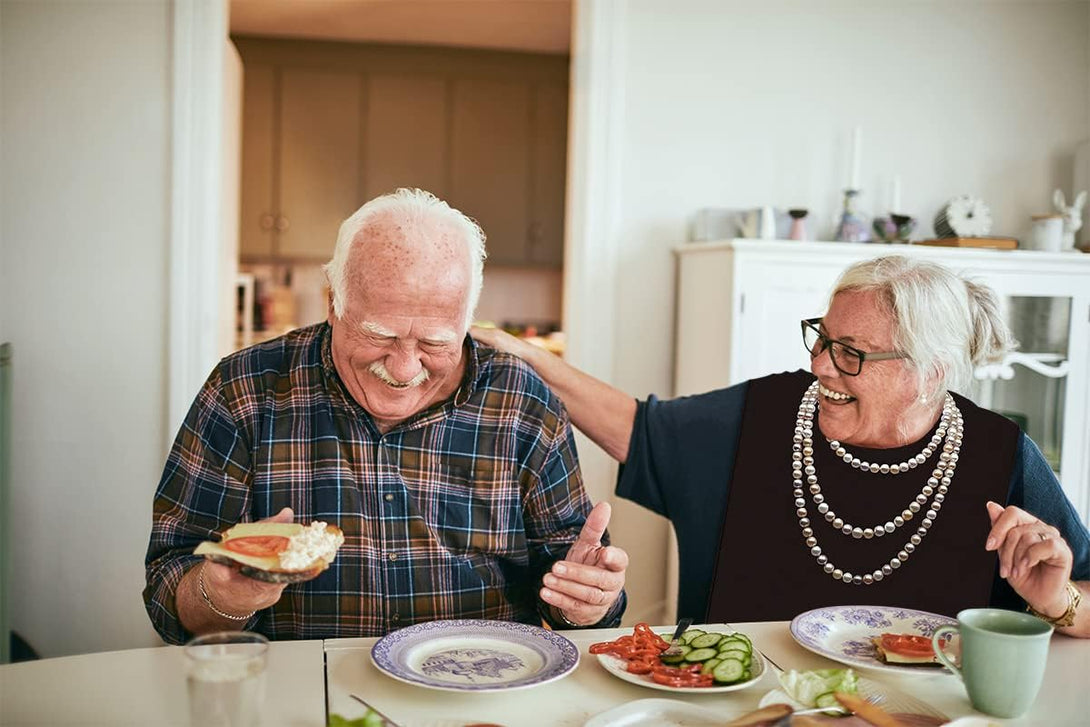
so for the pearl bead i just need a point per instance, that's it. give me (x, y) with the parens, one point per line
(868, 533)
(819, 498)
(838, 523)
(805, 522)
(857, 533)
(868, 579)
(897, 522)
(814, 489)
(894, 563)
(800, 502)
(828, 568)
(847, 529)
(801, 512)
(822, 559)
(887, 570)
(823, 508)
(812, 543)
(807, 532)
(902, 556)
(838, 574)
(856, 580)
(915, 539)
(884, 469)
(830, 516)
(909, 549)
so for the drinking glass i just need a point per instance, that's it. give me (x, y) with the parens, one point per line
(225, 672)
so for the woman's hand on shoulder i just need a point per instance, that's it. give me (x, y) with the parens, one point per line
(1033, 557)
(499, 339)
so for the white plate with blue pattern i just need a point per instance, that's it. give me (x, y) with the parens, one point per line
(467, 655)
(846, 633)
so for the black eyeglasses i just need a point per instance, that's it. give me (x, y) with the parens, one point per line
(848, 360)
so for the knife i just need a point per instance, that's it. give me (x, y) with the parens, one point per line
(386, 721)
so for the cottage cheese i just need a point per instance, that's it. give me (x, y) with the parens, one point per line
(312, 544)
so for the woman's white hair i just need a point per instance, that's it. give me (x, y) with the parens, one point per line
(414, 210)
(945, 324)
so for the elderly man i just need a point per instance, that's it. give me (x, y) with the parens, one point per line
(450, 467)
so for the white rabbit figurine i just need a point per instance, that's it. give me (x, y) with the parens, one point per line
(1072, 216)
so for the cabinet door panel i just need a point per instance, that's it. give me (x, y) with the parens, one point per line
(256, 203)
(405, 134)
(549, 180)
(490, 162)
(319, 159)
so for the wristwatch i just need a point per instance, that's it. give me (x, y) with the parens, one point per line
(1067, 618)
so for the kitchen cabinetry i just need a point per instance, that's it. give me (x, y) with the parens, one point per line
(739, 304)
(327, 126)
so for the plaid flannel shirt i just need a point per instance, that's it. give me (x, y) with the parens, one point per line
(455, 513)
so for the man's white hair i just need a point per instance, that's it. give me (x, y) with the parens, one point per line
(414, 210)
(945, 324)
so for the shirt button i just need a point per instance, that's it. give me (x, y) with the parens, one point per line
(396, 617)
(393, 556)
(389, 497)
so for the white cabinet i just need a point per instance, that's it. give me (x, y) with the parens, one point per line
(739, 303)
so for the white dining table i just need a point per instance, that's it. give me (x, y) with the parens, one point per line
(1064, 699)
(309, 679)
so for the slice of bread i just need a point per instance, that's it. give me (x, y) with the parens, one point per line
(888, 653)
(264, 567)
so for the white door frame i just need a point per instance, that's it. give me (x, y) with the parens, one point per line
(194, 275)
(592, 229)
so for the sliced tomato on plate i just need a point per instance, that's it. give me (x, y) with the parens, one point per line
(908, 645)
(261, 546)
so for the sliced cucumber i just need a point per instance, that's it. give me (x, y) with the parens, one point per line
(738, 654)
(700, 655)
(674, 658)
(705, 641)
(732, 643)
(691, 634)
(710, 665)
(728, 671)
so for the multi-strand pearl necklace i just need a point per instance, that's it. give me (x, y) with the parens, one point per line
(804, 474)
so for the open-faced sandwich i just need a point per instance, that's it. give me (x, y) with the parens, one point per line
(276, 552)
(909, 649)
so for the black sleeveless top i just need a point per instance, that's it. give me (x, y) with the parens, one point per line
(765, 571)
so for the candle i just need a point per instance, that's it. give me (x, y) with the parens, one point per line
(895, 194)
(857, 154)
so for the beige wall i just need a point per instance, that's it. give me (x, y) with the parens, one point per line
(84, 203)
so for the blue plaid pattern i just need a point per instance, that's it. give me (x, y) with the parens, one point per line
(455, 513)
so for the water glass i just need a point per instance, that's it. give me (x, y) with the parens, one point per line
(225, 673)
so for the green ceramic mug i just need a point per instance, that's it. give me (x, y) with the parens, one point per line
(1003, 656)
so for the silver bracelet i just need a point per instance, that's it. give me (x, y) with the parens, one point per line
(565, 620)
(212, 606)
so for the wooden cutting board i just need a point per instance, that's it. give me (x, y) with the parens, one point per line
(994, 243)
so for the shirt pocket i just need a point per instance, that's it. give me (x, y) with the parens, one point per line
(476, 512)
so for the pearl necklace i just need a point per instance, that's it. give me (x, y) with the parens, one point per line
(951, 428)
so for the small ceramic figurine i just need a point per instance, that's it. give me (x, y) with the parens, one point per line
(1072, 216)
(798, 224)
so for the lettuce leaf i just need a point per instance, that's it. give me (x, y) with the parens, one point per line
(806, 686)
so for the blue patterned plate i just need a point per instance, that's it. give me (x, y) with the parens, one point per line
(474, 656)
(845, 633)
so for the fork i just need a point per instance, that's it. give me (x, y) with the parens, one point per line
(674, 649)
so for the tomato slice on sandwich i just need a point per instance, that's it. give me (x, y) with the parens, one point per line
(261, 546)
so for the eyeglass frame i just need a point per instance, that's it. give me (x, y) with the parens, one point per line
(826, 342)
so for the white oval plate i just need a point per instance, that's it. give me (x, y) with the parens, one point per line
(468, 655)
(889, 699)
(845, 633)
(657, 713)
(618, 668)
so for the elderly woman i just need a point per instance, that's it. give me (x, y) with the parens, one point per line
(867, 480)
